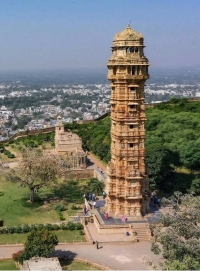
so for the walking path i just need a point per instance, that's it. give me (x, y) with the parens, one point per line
(96, 161)
(116, 257)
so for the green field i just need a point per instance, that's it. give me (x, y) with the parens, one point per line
(8, 265)
(64, 236)
(77, 265)
(16, 208)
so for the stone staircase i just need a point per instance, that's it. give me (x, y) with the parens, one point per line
(140, 232)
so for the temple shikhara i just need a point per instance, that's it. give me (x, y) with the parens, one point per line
(127, 182)
(69, 146)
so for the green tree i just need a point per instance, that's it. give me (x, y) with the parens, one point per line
(35, 170)
(96, 186)
(39, 243)
(159, 160)
(176, 234)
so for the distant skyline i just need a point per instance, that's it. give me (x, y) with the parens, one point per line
(63, 34)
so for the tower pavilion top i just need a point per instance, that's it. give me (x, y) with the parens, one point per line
(128, 34)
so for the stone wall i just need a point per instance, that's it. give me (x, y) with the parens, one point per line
(77, 174)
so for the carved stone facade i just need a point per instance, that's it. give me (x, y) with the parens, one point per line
(127, 185)
(69, 146)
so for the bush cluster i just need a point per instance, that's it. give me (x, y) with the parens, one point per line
(8, 154)
(74, 207)
(51, 227)
(59, 209)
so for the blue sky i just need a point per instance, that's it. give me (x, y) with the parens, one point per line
(51, 34)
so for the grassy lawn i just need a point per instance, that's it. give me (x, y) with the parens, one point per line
(16, 208)
(77, 265)
(8, 265)
(63, 236)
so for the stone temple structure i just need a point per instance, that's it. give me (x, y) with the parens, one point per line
(127, 185)
(69, 146)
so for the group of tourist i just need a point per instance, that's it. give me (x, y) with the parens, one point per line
(90, 197)
(155, 200)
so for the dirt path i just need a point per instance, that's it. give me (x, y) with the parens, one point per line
(96, 161)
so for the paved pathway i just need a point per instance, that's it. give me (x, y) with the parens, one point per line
(96, 161)
(114, 256)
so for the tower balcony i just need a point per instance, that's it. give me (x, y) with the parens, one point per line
(128, 195)
(125, 134)
(128, 134)
(125, 116)
(127, 97)
(127, 153)
(128, 77)
(134, 196)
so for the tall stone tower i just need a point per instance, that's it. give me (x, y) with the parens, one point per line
(127, 183)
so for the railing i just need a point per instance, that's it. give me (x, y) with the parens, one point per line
(134, 196)
(128, 97)
(128, 76)
(126, 116)
(125, 152)
(126, 133)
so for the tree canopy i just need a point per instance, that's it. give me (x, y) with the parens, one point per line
(35, 170)
(176, 234)
(39, 243)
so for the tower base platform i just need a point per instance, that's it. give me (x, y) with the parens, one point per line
(114, 228)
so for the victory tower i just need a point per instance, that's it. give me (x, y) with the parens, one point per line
(127, 183)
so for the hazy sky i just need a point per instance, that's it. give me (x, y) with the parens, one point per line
(78, 33)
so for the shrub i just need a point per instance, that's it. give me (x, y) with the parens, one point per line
(78, 226)
(25, 228)
(11, 229)
(71, 226)
(51, 227)
(61, 216)
(18, 229)
(63, 226)
(55, 227)
(3, 230)
(33, 226)
(74, 207)
(60, 208)
(40, 226)
(9, 154)
(17, 256)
